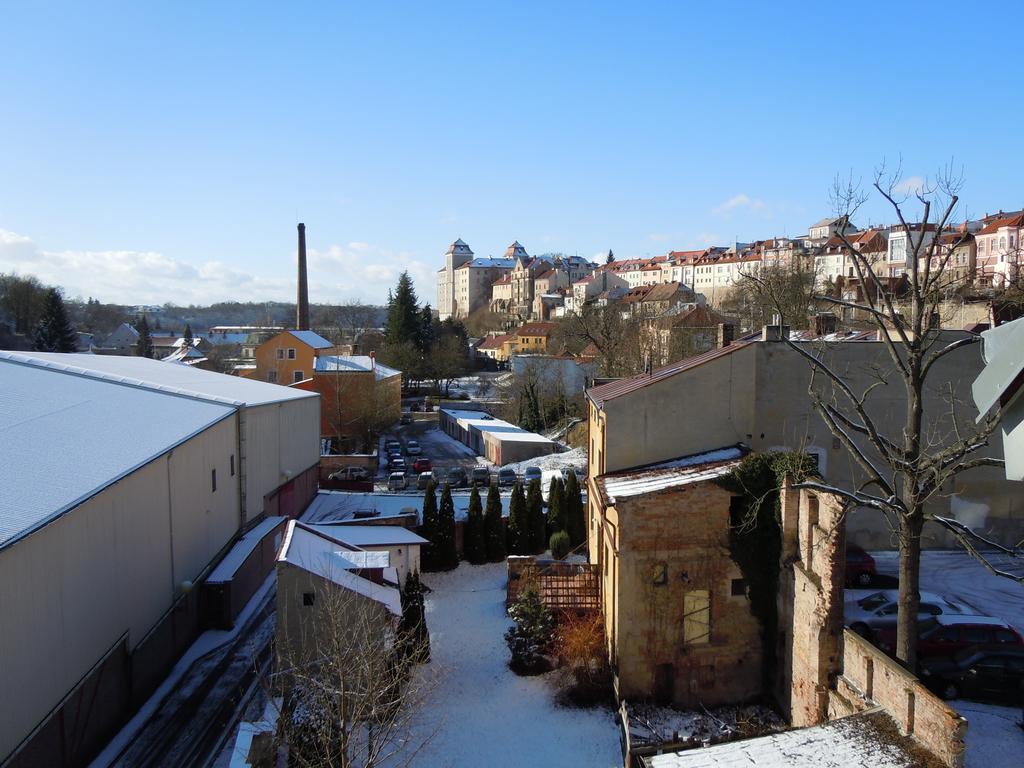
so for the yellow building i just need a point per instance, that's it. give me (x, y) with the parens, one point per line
(532, 339)
(288, 357)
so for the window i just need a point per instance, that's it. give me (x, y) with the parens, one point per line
(975, 635)
(1004, 636)
(213, 480)
(659, 574)
(232, 465)
(297, 376)
(696, 617)
(272, 377)
(291, 354)
(280, 354)
(739, 588)
(308, 598)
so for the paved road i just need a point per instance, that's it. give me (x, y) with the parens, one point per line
(443, 451)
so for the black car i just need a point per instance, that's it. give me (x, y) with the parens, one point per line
(457, 477)
(982, 673)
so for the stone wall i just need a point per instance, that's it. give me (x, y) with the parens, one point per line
(828, 672)
(672, 544)
(870, 678)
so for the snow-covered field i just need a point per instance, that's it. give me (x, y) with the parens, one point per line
(575, 458)
(484, 714)
(994, 738)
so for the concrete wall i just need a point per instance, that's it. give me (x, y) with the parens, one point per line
(758, 395)
(110, 567)
(280, 441)
(661, 547)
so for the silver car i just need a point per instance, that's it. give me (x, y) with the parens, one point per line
(878, 610)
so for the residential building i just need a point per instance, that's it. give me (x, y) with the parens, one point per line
(458, 253)
(999, 251)
(125, 481)
(821, 231)
(692, 330)
(497, 347)
(904, 242)
(358, 398)
(473, 281)
(121, 341)
(288, 357)
(401, 544)
(587, 290)
(532, 338)
(571, 375)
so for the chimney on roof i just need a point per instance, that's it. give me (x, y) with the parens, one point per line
(302, 300)
(726, 333)
(776, 331)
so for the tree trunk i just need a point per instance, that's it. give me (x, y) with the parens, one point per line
(909, 593)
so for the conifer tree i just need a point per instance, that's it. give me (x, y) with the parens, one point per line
(575, 517)
(447, 553)
(144, 346)
(403, 319)
(414, 634)
(494, 532)
(54, 332)
(429, 529)
(556, 507)
(187, 336)
(474, 546)
(537, 522)
(518, 523)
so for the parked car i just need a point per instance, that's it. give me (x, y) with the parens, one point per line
(984, 673)
(422, 464)
(481, 476)
(412, 448)
(415, 407)
(507, 476)
(397, 481)
(406, 418)
(457, 477)
(531, 474)
(948, 634)
(860, 566)
(350, 473)
(398, 465)
(878, 610)
(392, 443)
(423, 479)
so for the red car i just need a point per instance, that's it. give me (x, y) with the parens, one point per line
(860, 566)
(946, 635)
(421, 465)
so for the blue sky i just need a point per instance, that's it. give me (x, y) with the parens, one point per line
(164, 152)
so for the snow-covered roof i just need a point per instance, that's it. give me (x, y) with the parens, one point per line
(371, 535)
(501, 430)
(353, 363)
(65, 435)
(237, 555)
(334, 560)
(334, 506)
(852, 742)
(173, 379)
(312, 339)
(669, 474)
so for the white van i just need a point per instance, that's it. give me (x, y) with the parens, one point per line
(396, 481)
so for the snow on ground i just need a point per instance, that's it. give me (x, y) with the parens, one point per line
(484, 714)
(994, 738)
(575, 458)
(437, 441)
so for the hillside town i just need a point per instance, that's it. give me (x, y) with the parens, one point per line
(390, 386)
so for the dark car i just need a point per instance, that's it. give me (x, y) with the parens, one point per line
(947, 635)
(405, 419)
(860, 566)
(983, 673)
(481, 476)
(421, 465)
(507, 476)
(457, 477)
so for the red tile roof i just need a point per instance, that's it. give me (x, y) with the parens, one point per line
(535, 329)
(1016, 220)
(493, 342)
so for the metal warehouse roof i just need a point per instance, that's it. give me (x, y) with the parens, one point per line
(312, 339)
(354, 364)
(65, 436)
(371, 535)
(157, 375)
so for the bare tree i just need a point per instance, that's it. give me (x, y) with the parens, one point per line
(904, 463)
(346, 686)
(619, 343)
(755, 297)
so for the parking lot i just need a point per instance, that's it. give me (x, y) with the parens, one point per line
(443, 452)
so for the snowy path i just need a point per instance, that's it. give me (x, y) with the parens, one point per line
(492, 717)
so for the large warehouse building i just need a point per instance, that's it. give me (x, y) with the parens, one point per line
(123, 481)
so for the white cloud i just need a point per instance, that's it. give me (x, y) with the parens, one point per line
(356, 271)
(910, 185)
(742, 200)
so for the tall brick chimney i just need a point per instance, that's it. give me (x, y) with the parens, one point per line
(302, 301)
